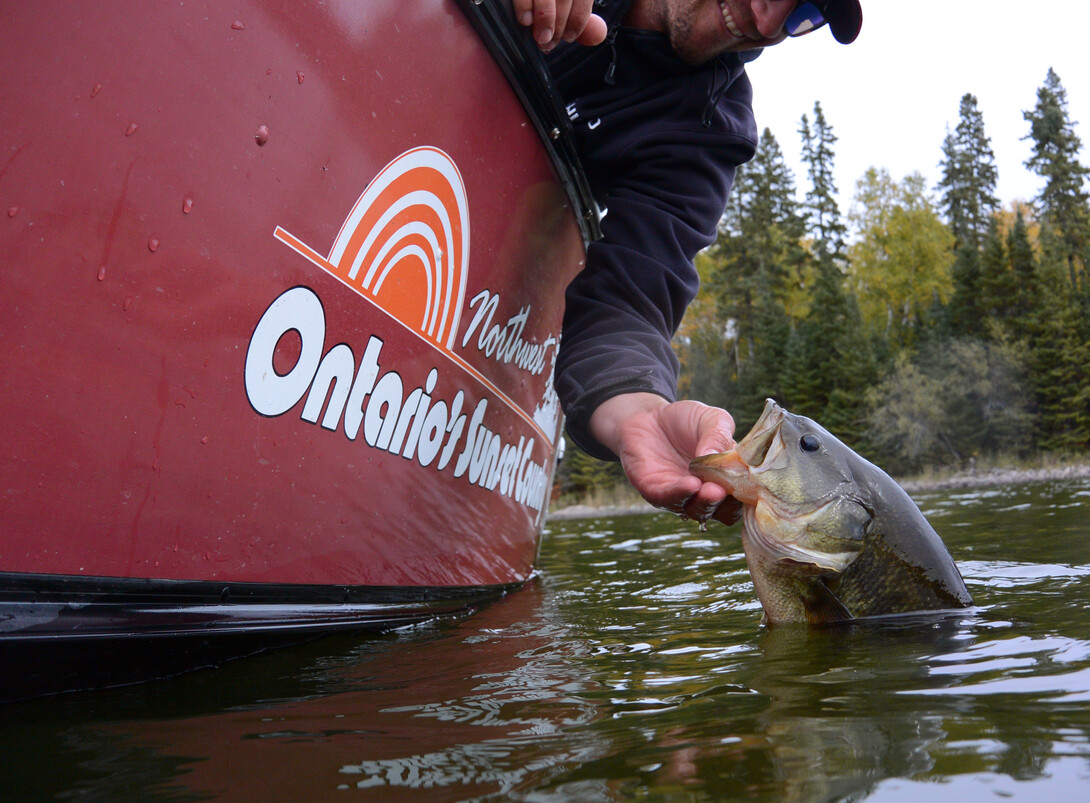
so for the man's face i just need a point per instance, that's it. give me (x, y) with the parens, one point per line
(702, 29)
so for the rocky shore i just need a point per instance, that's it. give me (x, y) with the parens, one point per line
(963, 479)
(998, 476)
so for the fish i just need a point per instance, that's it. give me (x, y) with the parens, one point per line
(828, 536)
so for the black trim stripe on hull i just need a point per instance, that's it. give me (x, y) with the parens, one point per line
(40, 606)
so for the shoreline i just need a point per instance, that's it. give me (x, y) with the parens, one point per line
(963, 479)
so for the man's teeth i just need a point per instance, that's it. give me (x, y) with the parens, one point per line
(729, 20)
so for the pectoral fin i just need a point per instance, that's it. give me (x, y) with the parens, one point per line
(822, 606)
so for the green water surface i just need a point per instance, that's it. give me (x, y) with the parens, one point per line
(634, 668)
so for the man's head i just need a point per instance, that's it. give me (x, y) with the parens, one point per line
(702, 29)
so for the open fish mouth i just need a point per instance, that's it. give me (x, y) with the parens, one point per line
(756, 446)
(756, 452)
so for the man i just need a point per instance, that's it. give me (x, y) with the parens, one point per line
(662, 116)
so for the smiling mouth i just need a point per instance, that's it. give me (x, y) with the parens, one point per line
(728, 18)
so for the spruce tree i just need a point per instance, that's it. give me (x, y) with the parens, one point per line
(967, 187)
(828, 356)
(758, 256)
(998, 284)
(1063, 201)
(964, 312)
(1023, 262)
(826, 224)
(762, 371)
(701, 346)
(1059, 353)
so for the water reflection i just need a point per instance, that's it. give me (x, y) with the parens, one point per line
(482, 706)
(634, 668)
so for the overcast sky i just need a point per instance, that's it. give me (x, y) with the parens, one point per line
(891, 96)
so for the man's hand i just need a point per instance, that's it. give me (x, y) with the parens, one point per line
(553, 21)
(655, 441)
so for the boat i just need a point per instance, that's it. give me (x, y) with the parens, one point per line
(283, 288)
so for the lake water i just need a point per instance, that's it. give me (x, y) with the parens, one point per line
(634, 668)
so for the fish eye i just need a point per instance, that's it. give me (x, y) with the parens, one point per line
(810, 442)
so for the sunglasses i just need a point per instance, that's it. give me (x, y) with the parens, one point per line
(808, 16)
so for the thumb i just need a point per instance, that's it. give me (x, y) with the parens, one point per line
(716, 432)
(594, 33)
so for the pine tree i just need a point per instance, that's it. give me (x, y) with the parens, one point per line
(829, 358)
(969, 175)
(1063, 201)
(1023, 264)
(964, 312)
(761, 374)
(579, 473)
(826, 225)
(998, 284)
(1059, 353)
(828, 355)
(701, 345)
(759, 258)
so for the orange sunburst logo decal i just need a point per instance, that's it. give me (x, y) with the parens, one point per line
(405, 244)
(404, 247)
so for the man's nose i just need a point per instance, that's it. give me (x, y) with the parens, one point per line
(769, 15)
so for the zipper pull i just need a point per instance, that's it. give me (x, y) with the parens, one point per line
(611, 35)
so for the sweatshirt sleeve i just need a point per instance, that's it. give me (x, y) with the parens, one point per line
(667, 195)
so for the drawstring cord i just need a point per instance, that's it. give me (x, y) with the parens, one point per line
(715, 93)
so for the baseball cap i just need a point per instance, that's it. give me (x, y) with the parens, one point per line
(844, 18)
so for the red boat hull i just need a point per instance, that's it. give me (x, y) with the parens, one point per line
(282, 292)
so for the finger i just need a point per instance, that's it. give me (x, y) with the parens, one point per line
(680, 498)
(578, 16)
(716, 432)
(594, 33)
(560, 20)
(703, 504)
(729, 512)
(544, 21)
(524, 11)
(713, 502)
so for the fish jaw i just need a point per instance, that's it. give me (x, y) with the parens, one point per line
(729, 471)
(735, 470)
(757, 446)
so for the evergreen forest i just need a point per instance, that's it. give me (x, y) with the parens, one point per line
(928, 326)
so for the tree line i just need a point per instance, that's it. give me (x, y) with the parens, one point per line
(929, 326)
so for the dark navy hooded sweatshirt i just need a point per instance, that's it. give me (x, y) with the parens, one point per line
(659, 140)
